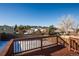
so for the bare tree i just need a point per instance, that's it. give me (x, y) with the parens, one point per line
(67, 24)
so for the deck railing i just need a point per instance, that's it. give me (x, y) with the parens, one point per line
(20, 45)
(32, 43)
(74, 44)
(8, 49)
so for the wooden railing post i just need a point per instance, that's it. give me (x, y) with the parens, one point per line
(69, 47)
(41, 45)
(12, 47)
(57, 40)
(76, 46)
(73, 44)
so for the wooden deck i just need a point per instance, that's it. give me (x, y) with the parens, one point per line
(59, 47)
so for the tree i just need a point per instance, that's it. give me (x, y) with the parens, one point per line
(21, 27)
(15, 27)
(28, 27)
(67, 23)
(77, 29)
(51, 29)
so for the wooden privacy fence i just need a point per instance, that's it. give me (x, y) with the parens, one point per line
(26, 44)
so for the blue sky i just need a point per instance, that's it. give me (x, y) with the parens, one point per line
(36, 14)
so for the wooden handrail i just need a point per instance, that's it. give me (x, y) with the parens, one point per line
(63, 40)
(7, 50)
(34, 37)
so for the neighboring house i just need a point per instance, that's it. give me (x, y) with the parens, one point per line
(43, 30)
(28, 31)
(17, 33)
(71, 32)
(34, 29)
(57, 31)
(6, 28)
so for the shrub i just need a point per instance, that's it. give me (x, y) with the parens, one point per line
(4, 36)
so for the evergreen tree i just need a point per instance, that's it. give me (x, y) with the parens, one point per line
(15, 27)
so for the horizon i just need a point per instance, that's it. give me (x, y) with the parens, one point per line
(22, 25)
(36, 14)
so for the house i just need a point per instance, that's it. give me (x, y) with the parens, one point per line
(43, 30)
(5, 28)
(28, 31)
(34, 29)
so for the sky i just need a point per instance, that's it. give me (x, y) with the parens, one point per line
(39, 14)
